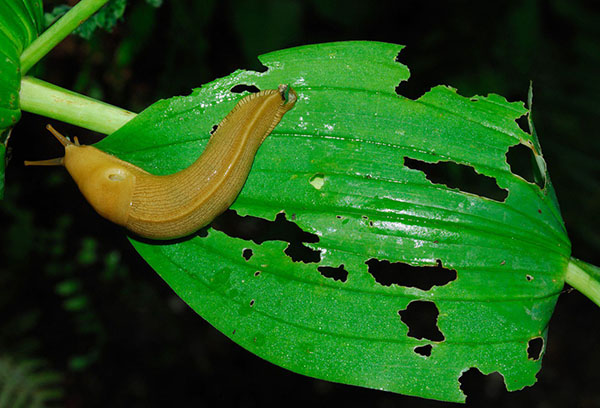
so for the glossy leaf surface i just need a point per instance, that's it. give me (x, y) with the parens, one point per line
(351, 164)
(20, 23)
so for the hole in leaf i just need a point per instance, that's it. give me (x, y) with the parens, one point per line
(256, 273)
(424, 350)
(247, 254)
(481, 389)
(402, 274)
(260, 230)
(522, 163)
(459, 176)
(245, 88)
(534, 348)
(214, 129)
(203, 232)
(252, 303)
(338, 274)
(421, 318)
(529, 277)
(523, 123)
(420, 82)
(317, 181)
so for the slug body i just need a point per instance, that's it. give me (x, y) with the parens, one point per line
(176, 205)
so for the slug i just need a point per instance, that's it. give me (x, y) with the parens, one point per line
(179, 204)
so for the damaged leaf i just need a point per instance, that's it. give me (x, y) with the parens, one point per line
(335, 170)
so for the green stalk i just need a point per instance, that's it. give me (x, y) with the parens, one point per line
(57, 32)
(585, 278)
(52, 101)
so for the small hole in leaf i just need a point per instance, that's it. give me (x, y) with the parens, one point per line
(252, 303)
(245, 88)
(260, 230)
(459, 176)
(529, 277)
(523, 123)
(338, 274)
(214, 129)
(424, 350)
(522, 163)
(416, 87)
(203, 232)
(247, 254)
(481, 390)
(402, 274)
(421, 318)
(257, 273)
(534, 348)
(317, 181)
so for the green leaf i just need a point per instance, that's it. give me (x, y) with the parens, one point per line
(20, 23)
(106, 18)
(28, 383)
(351, 166)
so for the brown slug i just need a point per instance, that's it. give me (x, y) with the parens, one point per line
(176, 205)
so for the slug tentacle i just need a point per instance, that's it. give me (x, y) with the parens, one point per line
(176, 205)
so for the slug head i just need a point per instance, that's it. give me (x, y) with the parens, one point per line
(104, 180)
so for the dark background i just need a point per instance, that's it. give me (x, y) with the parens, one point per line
(77, 298)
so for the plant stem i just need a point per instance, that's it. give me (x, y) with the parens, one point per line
(57, 32)
(55, 102)
(585, 278)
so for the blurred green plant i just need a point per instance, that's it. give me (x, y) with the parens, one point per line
(106, 18)
(28, 384)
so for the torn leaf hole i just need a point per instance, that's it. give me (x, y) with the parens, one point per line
(481, 389)
(247, 254)
(425, 350)
(421, 318)
(403, 274)
(413, 89)
(521, 160)
(260, 230)
(459, 176)
(397, 59)
(523, 122)
(203, 232)
(214, 129)
(338, 274)
(534, 348)
(245, 88)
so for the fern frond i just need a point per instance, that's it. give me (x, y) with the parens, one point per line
(28, 384)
